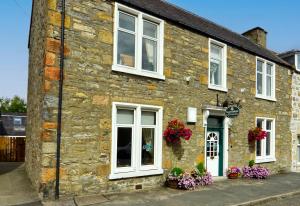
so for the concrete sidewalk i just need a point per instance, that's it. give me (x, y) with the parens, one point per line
(228, 192)
(15, 187)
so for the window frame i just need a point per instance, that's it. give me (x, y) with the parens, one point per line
(137, 169)
(267, 158)
(140, 17)
(223, 86)
(297, 150)
(297, 64)
(264, 80)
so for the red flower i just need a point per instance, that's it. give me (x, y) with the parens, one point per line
(175, 131)
(256, 134)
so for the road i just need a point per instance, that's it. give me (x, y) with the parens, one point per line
(289, 201)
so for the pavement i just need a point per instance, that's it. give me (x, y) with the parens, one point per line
(15, 187)
(283, 189)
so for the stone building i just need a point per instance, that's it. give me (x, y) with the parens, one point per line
(293, 57)
(130, 67)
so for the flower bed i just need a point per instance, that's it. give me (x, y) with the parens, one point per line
(255, 172)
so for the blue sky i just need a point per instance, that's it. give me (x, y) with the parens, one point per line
(279, 17)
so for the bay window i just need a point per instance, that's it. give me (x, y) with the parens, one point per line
(217, 65)
(136, 140)
(138, 43)
(265, 149)
(265, 79)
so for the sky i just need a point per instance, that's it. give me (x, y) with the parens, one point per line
(279, 17)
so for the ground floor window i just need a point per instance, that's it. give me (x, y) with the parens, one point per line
(136, 140)
(298, 149)
(265, 149)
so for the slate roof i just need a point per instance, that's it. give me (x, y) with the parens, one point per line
(7, 127)
(168, 11)
(289, 53)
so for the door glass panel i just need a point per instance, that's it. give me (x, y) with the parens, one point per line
(126, 21)
(124, 143)
(148, 118)
(125, 116)
(126, 49)
(149, 55)
(148, 146)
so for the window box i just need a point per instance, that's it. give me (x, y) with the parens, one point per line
(138, 43)
(136, 140)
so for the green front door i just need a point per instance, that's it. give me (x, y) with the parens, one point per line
(214, 146)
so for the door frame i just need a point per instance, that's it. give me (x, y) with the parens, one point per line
(218, 112)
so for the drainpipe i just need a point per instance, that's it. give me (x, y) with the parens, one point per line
(60, 96)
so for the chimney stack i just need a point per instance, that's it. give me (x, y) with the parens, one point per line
(258, 35)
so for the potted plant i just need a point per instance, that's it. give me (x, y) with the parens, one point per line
(174, 176)
(176, 131)
(233, 172)
(202, 177)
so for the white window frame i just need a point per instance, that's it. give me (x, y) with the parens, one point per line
(136, 169)
(297, 151)
(264, 80)
(267, 158)
(296, 61)
(222, 87)
(137, 70)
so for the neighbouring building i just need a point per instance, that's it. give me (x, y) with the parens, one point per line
(293, 57)
(130, 67)
(12, 137)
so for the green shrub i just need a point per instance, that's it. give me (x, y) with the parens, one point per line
(200, 168)
(251, 163)
(176, 172)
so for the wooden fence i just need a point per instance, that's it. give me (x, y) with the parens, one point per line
(12, 149)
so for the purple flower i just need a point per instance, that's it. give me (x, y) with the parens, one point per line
(256, 172)
(187, 182)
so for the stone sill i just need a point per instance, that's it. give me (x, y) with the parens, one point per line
(128, 70)
(265, 160)
(221, 89)
(266, 98)
(116, 176)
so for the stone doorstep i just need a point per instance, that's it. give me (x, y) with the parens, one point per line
(269, 199)
(90, 200)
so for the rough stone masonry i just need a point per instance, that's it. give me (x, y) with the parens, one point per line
(90, 87)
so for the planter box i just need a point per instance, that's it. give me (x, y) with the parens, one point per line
(233, 176)
(172, 184)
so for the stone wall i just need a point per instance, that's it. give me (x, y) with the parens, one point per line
(35, 92)
(295, 123)
(90, 87)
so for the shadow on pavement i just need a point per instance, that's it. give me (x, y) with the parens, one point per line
(6, 167)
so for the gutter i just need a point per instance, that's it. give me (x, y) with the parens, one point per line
(60, 96)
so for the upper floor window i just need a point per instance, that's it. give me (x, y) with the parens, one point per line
(265, 149)
(217, 65)
(138, 43)
(297, 60)
(265, 79)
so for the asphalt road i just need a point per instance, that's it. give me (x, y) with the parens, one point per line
(289, 201)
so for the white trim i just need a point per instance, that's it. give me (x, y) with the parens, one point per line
(6, 115)
(296, 61)
(137, 69)
(264, 158)
(13, 136)
(222, 87)
(264, 80)
(136, 168)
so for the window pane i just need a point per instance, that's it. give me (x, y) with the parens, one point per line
(126, 49)
(148, 146)
(269, 69)
(260, 66)
(126, 21)
(259, 83)
(298, 139)
(124, 147)
(125, 116)
(216, 51)
(149, 55)
(269, 86)
(298, 61)
(298, 150)
(150, 29)
(268, 143)
(148, 118)
(269, 124)
(259, 123)
(258, 148)
(215, 72)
